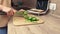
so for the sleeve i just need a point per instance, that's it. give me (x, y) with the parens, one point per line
(4, 4)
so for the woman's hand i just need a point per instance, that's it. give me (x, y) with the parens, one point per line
(7, 10)
(11, 12)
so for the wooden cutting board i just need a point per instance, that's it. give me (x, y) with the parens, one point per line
(22, 21)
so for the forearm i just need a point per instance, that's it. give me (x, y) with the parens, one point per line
(4, 8)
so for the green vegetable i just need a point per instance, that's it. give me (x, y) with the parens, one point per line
(25, 13)
(28, 18)
(17, 12)
(34, 19)
(20, 13)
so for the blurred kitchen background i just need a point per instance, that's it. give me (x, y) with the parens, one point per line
(51, 6)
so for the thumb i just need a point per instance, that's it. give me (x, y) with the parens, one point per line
(14, 10)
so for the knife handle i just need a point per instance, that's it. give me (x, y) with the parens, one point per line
(2, 12)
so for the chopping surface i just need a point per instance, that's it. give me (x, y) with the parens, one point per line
(22, 21)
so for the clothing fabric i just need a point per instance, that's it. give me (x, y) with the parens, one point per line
(4, 18)
(3, 30)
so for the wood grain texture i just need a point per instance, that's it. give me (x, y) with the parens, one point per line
(51, 26)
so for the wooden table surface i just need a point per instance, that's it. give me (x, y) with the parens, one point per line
(51, 26)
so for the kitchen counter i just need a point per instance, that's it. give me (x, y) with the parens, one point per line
(51, 26)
